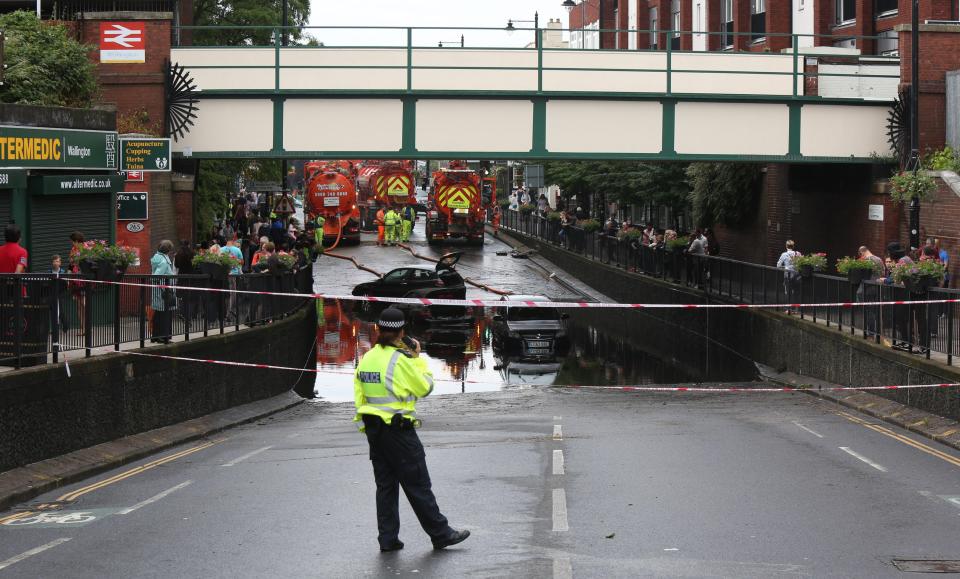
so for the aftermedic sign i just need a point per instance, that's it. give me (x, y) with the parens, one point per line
(43, 148)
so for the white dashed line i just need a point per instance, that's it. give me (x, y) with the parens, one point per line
(32, 552)
(558, 462)
(154, 498)
(240, 459)
(562, 569)
(557, 432)
(557, 418)
(859, 456)
(802, 427)
(560, 511)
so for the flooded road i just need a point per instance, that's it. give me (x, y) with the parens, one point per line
(477, 352)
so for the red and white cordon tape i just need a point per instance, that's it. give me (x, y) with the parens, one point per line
(529, 304)
(718, 390)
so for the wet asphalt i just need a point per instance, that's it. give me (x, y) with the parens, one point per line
(551, 483)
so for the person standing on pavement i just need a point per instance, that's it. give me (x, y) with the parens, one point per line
(391, 223)
(389, 380)
(163, 300)
(13, 257)
(791, 278)
(407, 216)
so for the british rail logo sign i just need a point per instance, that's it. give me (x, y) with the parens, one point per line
(123, 42)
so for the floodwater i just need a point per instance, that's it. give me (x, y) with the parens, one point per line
(471, 351)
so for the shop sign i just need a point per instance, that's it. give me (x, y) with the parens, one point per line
(146, 155)
(13, 179)
(132, 206)
(75, 184)
(49, 148)
(123, 42)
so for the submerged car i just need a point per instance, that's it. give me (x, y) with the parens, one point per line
(531, 333)
(419, 281)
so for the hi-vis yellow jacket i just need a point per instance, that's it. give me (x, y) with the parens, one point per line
(389, 381)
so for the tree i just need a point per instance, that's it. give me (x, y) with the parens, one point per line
(230, 14)
(724, 193)
(218, 177)
(45, 66)
(627, 182)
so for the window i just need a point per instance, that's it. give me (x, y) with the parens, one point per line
(888, 43)
(632, 25)
(758, 19)
(887, 7)
(846, 11)
(653, 28)
(726, 23)
(396, 276)
(675, 24)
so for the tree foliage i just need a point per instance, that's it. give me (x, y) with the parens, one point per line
(724, 193)
(45, 66)
(228, 14)
(216, 178)
(628, 182)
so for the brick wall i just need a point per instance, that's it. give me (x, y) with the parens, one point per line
(940, 219)
(939, 54)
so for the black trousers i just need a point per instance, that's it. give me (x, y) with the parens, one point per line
(399, 461)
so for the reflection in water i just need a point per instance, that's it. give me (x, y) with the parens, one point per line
(471, 350)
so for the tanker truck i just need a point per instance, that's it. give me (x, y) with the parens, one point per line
(331, 194)
(385, 184)
(454, 207)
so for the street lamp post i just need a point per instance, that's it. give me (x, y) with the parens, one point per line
(914, 163)
(536, 27)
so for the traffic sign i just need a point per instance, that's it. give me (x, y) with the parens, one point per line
(148, 154)
(132, 206)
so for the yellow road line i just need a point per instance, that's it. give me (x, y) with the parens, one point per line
(74, 495)
(15, 516)
(904, 439)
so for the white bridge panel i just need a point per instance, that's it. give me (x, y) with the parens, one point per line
(230, 125)
(496, 126)
(459, 69)
(712, 73)
(705, 128)
(638, 71)
(604, 127)
(233, 68)
(342, 124)
(864, 131)
(313, 69)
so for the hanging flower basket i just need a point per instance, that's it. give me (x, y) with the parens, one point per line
(919, 277)
(857, 270)
(920, 285)
(104, 262)
(216, 265)
(808, 264)
(907, 185)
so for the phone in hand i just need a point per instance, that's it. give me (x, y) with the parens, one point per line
(410, 343)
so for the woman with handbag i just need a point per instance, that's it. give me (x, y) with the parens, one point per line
(163, 300)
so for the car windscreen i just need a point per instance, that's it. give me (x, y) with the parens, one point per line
(530, 314)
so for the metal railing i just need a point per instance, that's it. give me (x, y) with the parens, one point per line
(43, 315)
(414, 40)
(922, 328)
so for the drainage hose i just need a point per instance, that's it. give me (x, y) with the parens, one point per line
(466, 279)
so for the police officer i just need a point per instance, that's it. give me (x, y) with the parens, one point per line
(407, 217)
(391, 222)
(389, 380)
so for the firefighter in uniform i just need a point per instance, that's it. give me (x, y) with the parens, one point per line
(407, 217)
(380, 227)
(391, 222)
(389, 380)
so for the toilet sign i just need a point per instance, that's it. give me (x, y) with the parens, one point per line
(123, 42)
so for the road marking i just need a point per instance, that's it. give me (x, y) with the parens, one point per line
(557, 432)
(906, 440)
(240, 459)
(32, 552)
(153, 499)
(74, 495)
(558, 462)
(295, 434)
(560, 511)
(859, 456)
(802, 427)
(557, 418)
(562, 569)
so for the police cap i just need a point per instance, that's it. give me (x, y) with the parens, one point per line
(391, 319)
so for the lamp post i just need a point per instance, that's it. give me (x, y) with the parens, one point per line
(914, 163)
(536, 27)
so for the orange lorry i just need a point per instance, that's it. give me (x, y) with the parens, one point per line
(455, 207)
(332, 194)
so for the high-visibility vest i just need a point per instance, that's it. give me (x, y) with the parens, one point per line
(390, 219)
(407, 213)
(388, 381)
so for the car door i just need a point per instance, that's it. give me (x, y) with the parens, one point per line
(395, 283)
(422, 278)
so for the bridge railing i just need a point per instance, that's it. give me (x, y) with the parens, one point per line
(407, 59)
(925, 329)
(43, 315)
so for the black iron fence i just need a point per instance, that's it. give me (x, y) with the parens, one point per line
(43, 315)
(918, 328)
